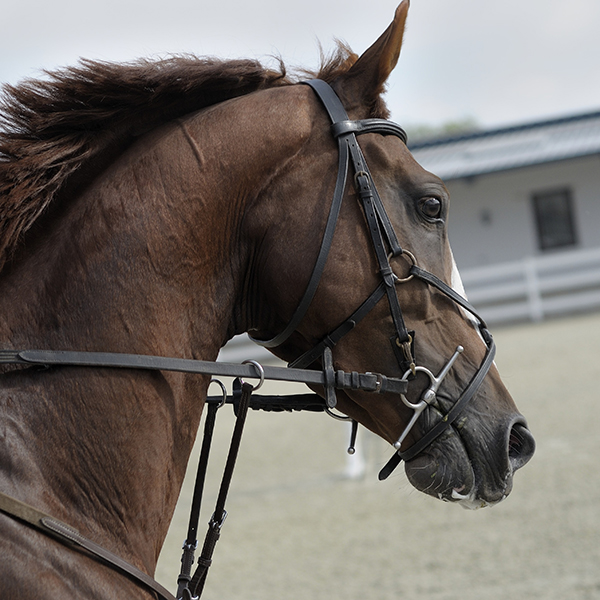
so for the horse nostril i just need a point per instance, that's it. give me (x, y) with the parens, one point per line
(521, 446)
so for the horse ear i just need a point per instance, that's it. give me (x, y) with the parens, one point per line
(365, 80)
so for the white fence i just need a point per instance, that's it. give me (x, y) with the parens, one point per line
(536, 287)
(241, 348)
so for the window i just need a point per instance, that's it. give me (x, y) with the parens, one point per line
(554, 219)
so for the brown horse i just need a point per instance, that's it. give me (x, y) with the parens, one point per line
(161, 208)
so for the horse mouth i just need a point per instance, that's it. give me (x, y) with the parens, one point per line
(468, 469)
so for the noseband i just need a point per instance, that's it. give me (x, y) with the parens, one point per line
(386, 246)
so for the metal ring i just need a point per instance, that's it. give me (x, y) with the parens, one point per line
(223, 389)
(405, 377)
(261, 373)
(409, 341)
(412, 259)
(421, 404)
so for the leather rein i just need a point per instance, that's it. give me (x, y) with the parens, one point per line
(386, 246)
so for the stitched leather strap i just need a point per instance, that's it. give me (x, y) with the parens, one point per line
(380, 126)
(319, 267)
(333, 105)
(191, 541)
(70, 536)
(338, 195)
(330, 340)
(431, 279)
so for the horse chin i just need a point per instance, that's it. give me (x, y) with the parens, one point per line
(445, 471)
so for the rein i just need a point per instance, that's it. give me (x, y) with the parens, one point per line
(386, 246)
(328, 378)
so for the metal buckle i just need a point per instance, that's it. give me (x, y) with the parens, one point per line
(361, 174)
(406, 348)
(214, 524)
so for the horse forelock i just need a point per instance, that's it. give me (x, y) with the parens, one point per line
(51, 127)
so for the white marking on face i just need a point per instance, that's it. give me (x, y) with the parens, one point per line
(456, 281)
(457, 285)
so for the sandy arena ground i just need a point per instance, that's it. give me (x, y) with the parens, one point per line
(300, 529)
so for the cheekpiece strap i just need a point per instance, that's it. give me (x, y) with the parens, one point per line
(383, 236)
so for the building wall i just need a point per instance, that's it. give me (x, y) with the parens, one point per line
(492, 218)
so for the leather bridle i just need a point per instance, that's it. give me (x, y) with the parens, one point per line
(386, 246)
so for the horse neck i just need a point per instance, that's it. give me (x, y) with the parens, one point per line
(146, 260)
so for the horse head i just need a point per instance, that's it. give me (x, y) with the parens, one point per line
(473, 460)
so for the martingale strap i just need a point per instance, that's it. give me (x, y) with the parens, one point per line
(213, 534)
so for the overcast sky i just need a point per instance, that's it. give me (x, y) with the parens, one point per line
(498, 62)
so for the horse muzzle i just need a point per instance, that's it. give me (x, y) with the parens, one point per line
(473, 465)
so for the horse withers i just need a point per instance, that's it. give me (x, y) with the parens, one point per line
(161, 208)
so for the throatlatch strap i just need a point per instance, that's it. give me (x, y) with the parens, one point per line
(315, 278)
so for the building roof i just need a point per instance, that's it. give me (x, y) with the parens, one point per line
(510, 147)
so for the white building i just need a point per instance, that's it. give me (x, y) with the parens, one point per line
(525, 215)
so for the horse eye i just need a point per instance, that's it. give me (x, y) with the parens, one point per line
(431, 208)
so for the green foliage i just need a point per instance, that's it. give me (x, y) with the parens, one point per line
(421, 132)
